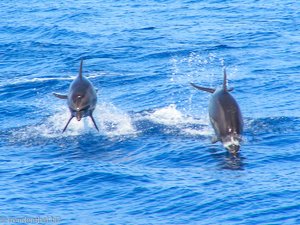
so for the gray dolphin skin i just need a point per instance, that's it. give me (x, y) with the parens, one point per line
(225, 117)
(81, 98)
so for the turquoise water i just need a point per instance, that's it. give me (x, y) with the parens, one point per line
(152, 161)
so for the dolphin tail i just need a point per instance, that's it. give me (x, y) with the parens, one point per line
(67, 124)
(94, 122)
(61, 96)
(210, 90)
(80, 69)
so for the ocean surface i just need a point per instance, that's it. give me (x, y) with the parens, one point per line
(152, 161)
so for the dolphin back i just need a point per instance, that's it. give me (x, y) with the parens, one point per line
(81, 86)
(225, 115)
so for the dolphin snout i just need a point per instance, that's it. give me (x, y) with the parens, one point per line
(233, 149)
(78, 116)
(232, 144)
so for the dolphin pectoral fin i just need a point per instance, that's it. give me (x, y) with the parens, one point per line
(210, 90)
(214, 139)
(67, 124)
(94, 122)
(61, 96)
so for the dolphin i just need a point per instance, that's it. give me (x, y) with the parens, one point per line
(81, 98)
(225, 116)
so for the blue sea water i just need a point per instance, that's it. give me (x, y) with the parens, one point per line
(152, 161)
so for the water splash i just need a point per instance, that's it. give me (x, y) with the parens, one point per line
(195, 67)
(113, 121)
(170, 116)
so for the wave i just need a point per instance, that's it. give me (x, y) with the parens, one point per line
(36, 80)
(272, 125)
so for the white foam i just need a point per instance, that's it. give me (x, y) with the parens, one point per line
(57, 122)
(206, 131)
(170, 116)
(167, 116)
(113, 121)
(52, 126)
(110, 120)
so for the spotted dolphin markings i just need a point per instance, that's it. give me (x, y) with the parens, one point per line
(225, 116)
(81, 98)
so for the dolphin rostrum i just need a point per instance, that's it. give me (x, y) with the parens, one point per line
(225, 116)
(82, 98)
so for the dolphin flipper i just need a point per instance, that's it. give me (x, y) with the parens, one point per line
(214, 139)
(61, 96)
(94, 122)
(210, 90)
(67, 124)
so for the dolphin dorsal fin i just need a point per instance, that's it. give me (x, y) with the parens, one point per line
(225, 80)
(80, 69)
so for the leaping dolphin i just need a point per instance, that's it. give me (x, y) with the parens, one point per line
(225, 116)
(82, 98)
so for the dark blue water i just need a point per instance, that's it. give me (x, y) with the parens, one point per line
(152, 161)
